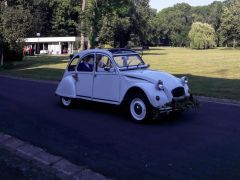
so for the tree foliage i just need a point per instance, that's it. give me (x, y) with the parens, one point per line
(202, 36)
(15, 23)
(210, 14)
(175, 23)
(230, 24)
(117, 23)
(65, 17)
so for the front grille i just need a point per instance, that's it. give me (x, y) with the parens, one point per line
(178, 92)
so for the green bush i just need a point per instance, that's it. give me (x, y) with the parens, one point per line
(202, 36)
(8, 65)
(11, 55)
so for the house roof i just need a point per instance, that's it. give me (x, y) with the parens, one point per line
(51, 39)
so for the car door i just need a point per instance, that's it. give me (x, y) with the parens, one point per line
(106, 82)
(85, 73)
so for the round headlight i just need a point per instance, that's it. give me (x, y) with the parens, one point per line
(184, 80)
(160, 85)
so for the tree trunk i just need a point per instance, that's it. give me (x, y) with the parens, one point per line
(1, 56)
(234, 43)
(82, 47)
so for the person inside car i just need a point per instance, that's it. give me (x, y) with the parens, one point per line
(99, 61)
(85, 65)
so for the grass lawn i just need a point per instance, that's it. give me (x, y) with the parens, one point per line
(38, 67)
(214, 72)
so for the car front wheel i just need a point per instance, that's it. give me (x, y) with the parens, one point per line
(140, 108)
(66, 101)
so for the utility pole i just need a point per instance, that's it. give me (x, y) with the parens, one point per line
(82, 25)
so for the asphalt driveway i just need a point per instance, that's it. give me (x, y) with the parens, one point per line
(202, 144)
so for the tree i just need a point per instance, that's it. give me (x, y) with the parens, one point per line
(174, 24)
(141, 17)
(202, 36)
(115, 31)
(65, 18)
(2, 6)
(201, 14)
(210, 14)
(95, 12)
(230, 24)
(107, 21)
(42, 13)
(15, 22)
(117, 22)
(83, 7)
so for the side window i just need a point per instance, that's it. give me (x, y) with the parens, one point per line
(119, 60)
(103, 61)
(73, 64)
(86, 63)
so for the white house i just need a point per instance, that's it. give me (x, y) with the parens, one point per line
(52, 45)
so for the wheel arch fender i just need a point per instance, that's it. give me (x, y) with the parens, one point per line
(144, 88)
(67, 87)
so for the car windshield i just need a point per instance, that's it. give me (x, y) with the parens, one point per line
(128, 60)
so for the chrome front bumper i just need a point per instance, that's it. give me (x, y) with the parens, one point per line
(180, 104)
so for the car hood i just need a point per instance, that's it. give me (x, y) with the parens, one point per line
(169, 81)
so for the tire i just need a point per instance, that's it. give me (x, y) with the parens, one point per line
(66, 101)
(140, 108)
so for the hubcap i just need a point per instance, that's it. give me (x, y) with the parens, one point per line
(138, 109)
(66, 101)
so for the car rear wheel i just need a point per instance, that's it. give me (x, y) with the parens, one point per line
(66, 101)
(140, 108)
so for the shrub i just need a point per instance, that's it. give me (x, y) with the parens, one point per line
(202, 36)
(13, 55)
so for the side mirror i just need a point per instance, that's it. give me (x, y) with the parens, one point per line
(71, 56)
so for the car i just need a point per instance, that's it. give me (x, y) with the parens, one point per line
(121, 77)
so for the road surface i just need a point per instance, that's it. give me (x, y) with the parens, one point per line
(201, 144)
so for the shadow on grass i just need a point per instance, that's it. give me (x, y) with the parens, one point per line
(155, 49)
(38, 73)
(199, 85)
(153, 54)
(214, 87)
(150, 49)
(230, 48)
(46, 58)
(35, 61)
